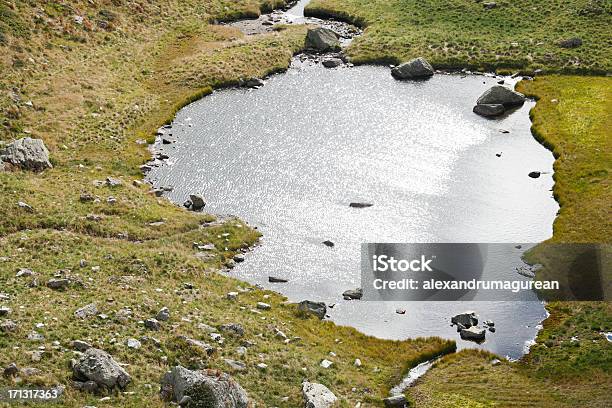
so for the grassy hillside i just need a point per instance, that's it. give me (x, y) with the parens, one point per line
(94, 79)
(523, 34)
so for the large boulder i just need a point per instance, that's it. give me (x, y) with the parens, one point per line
(317, 395)
(99, 367)
(500, 95)
(473, 333)
(413, 69)
(322, 39)
(489, 109)
(466, 319)
(316, 308)
(27, 154)
(203, 388)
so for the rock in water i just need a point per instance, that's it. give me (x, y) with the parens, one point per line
(322, 39)
(197, 202)
(488, 110)
(353, 294)
(467, 319)
(205, 388)
(414, 69)
(332, 62)
(98, 366)
(360, 205)
(27, 154)
(500, 95)
(254, 83)
(317, 395)
(473, 333)
(534, 174)
(317, 308)
(273, 279)
(396, 401)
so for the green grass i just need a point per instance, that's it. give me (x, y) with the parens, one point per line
(95, 91)
(463, 34)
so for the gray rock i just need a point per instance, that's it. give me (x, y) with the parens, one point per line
(25, 206)
(353, 294)
(317, 308)
(113, 182)
(273, 279)
(322, 39)
(501, 95)
(81, 345)
(534, 174)
(317, 395)
(490, 5)
(163, 315)
(235, 365)
(98, 366)
(571, 43)
(8, 326)
(263, 306)
(58, 284)
(197, 202)
(238, 258)
(467, 319)
(332, 62)
(489, 109)
(233, 328)
(207, 348)
(5, 311)
(417, 68)
(328, 243)
(489, 323)
(254, 83)
(27, 154)
(133, 344)
(204, 388)
(86, 311)
(360, 205)
(10, 370)
(152, 324)
(86, 386)
(24, 272)
(473, 333)
(396, 401)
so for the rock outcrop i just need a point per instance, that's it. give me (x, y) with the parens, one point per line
(26, 154)
(204, 388)
(417, 68)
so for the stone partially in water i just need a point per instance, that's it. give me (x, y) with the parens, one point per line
(417, 68)
(488, 110)
(396, 401)
(317, 308)
(500, 95)
(466, 319)
(322, 39)
(473, 333)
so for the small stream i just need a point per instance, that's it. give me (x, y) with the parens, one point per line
(290, 156)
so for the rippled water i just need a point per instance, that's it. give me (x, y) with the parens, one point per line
(290, 156)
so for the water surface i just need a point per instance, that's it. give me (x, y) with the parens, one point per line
(289, 158)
